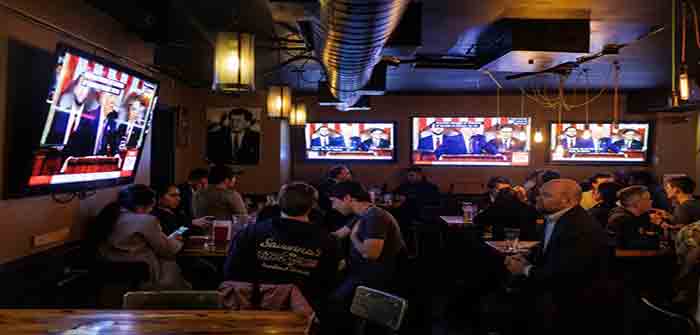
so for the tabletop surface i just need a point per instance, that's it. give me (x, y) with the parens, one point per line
(137, 322)
(194, 247)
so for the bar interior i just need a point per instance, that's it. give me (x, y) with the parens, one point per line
(349, 167)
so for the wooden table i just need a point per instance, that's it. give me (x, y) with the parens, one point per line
(455, 221)
(194, 247)
(137, 322)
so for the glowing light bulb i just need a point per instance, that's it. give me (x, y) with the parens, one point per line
(278, 104)
(232, 62)
(538, 136)
(684, 83)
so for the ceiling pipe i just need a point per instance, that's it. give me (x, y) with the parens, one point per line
(349, 39)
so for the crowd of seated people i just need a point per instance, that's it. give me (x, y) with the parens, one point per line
(329, 240)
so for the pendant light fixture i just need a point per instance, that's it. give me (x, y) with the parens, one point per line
(234, 62)
(279, 101)
(298, 115)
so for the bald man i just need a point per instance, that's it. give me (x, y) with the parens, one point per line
(569, 265)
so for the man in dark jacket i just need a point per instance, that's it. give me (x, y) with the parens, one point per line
(287, 250)
(566, 273)
(633, 224)
(197, 180)
(606, 198)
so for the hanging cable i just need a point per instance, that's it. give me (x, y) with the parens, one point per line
(498, 102)
(695, 23)
(561, 96)
(616, 96)
(587, 106)
(522, 104)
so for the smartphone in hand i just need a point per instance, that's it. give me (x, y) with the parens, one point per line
(179, 232)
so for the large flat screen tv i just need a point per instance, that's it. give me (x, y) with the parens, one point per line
(91, 126)
(471, 141)
(600, 142)
(365, 141)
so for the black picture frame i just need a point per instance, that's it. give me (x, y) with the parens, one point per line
(394, 139)
(413, 162)
(22, 188)
(647, 159)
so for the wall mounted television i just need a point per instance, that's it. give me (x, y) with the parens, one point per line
(350, 141)
(600, 142)
(88, 129)
(471, 141)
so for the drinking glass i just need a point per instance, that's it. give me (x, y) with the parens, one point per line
(512, 236)
(209, 241)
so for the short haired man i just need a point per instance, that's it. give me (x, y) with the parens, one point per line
(572, 140)
(197, 180)
(376, 140)
(634, 224)
(506, 142)
(570, 262)
(219, 199)
(495, 184)
(336, 174)
(289, 249)
(375, 236)
(629, 140)
(605, 197)
(587, 201)
(687, 209)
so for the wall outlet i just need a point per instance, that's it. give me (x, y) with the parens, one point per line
(51, 237)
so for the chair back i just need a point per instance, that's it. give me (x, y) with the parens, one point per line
(173, 300)
(669, 322)
(379, 307)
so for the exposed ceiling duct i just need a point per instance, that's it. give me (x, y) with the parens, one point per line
(349, 39)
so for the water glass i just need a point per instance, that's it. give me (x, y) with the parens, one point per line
(512, 236)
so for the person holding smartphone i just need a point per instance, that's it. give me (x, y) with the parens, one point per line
(172, 216)
(137, 236)
(178, 225)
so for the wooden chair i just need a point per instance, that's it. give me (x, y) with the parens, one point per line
(379, 307)
(173, 300)
(665, 321)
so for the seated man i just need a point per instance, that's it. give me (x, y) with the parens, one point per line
(632, 224)
(287, 250)
(687, 209)
(197, 180)
(587, 201)
(219, 199)
(566, 272)
(376, 239)
(605, 197)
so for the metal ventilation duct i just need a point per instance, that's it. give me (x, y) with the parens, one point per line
(349, 40)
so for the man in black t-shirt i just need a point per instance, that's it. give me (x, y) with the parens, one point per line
(287, 250)
(376, 243)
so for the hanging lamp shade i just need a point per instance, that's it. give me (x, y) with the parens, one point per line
(234, 62)
(279, 102)
(298, 115)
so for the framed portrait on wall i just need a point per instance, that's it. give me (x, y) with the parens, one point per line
(233, 135)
